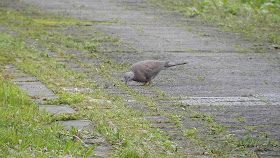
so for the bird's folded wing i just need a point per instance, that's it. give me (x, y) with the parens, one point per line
(139, 76)
(152, 67)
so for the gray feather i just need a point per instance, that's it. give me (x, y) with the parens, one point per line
(145, 71)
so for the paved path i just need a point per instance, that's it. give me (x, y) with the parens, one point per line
(225, 69)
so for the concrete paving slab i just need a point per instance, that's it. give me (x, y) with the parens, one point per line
(31, 85)
(36, 90)
(55, 109)
(102, 150)
(78, 124)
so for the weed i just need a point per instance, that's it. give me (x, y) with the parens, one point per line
(259, 143)
(199, 78)
(251, 128)
(215, 128)
(217, 150)
(240, 119)
(181, 67)
(264, 82)
(189, 29)
(204, 116)
(215, 90)
(190, 133)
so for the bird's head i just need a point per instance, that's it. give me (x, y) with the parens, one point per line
(128, 76)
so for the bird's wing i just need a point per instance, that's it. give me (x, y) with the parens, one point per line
(139, 76)
(150, 68)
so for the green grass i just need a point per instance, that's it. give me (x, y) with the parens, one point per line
(240, 119)
(25, 131)
(258, 19)
(190, 133)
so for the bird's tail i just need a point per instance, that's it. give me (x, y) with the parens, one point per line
(174, 64)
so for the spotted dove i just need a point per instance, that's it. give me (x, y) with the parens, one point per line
(145, 71)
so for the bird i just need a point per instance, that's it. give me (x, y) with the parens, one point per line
(145, 71)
